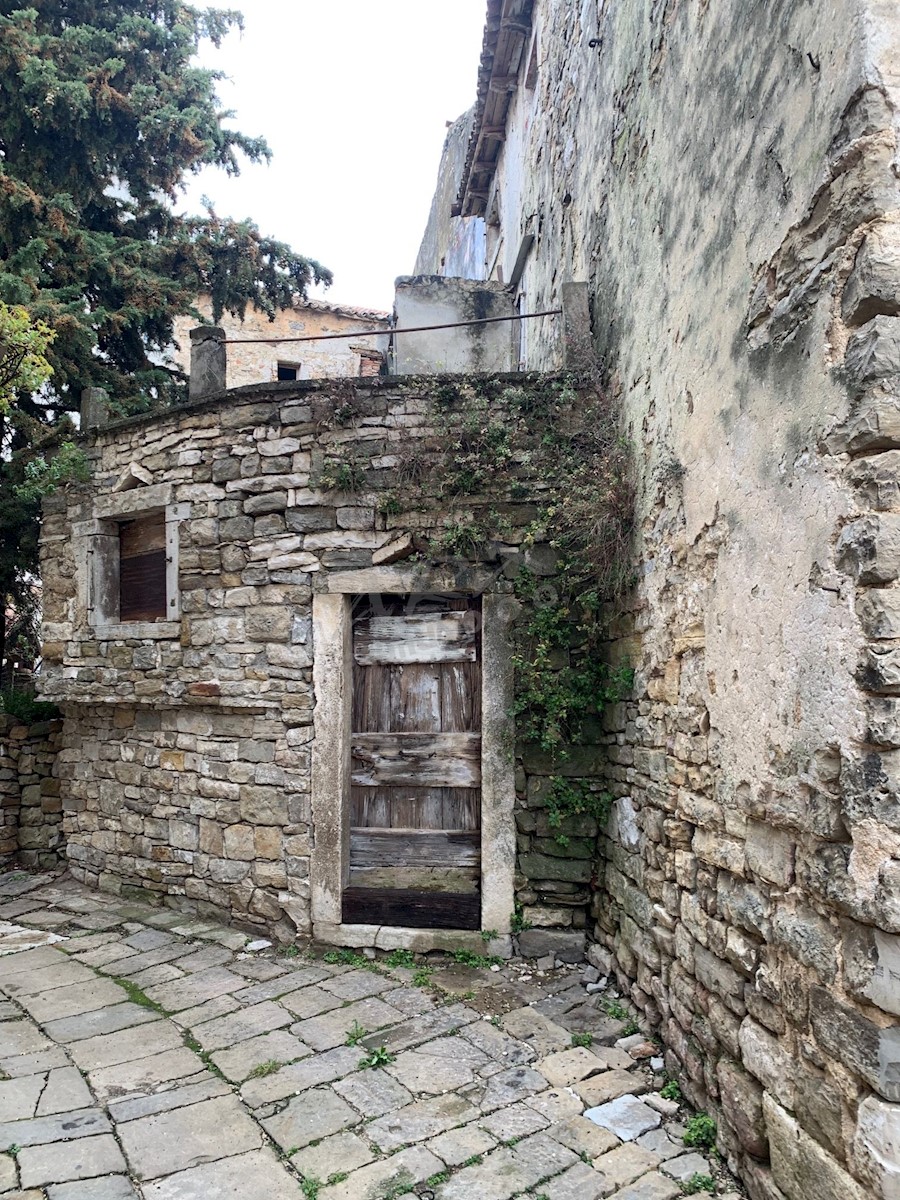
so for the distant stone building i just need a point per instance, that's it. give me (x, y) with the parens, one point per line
(323, 358)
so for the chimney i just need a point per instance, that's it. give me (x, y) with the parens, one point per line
(208, 359)
(94, 408)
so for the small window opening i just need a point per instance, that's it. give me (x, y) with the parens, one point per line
(286, 371)
(142, 568)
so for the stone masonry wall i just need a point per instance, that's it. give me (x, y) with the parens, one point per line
(30, 804)
(185, 765)
(726, 177)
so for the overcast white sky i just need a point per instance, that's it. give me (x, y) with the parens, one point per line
(353, 99)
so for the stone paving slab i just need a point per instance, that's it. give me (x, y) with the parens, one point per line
(39, 1130)
(249, 1055)
(100, 1021)
(331, 1029)
(373, 1093)
(407, 1168)
(144, 1075)
(110, 1187)
(254, 1176)
(64, 1091)
(71, 1001)
(346, 1151)
(19, 1097)
(64, 1161)
(279, 1047)
(316, 1114)
(108, 1049)
(33, 1064)
(186, 1137)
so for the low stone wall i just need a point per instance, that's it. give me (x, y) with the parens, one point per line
(30, 804)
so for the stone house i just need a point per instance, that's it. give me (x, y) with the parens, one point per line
(724, 177)
(280, 699)
(319, 355)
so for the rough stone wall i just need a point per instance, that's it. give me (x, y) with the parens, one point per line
(30, 804)
(185, 766)
(258, 362)
(725, 176)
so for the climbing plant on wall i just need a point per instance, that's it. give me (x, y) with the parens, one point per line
(556, 439)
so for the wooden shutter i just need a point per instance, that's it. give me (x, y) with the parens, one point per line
(415, 841)
(142, 569)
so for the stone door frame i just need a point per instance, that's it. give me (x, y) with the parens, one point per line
(333, 682)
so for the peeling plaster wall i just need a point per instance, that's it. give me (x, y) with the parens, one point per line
(725, 176)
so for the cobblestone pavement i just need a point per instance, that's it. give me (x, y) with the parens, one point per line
(146, 1053)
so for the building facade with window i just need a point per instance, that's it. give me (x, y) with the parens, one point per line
(325, 357)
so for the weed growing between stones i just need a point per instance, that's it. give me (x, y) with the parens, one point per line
(137, 996)
(468, 958)
(205, 1056)
(310, 1187)
(671, 1090)
(342, 475)
(698, 1183)
(401, 958)
(583, 1039)
(261, 1070)
(700, 1131)
(518, 922)
(356, 1033)
(379, 1057)
(348, 958)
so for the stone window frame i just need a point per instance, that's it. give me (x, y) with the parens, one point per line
(97, 555)
(330, 781)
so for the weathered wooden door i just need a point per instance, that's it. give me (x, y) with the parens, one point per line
(415, 796)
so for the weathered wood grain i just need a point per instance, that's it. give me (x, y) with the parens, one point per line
(416, 759)
(419, 638)
(415, 698)
(411, 909)
(142, 535)
(413, 847)
(422, 879)
(460, 686)
(370, 808)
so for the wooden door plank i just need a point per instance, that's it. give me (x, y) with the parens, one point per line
(417, 807)
(419, 638)
(417, 879)
(411, 909)
(460, 697)
(415, 698)
(416, 759)
(461, 809)
(370, 807)
(371, 699)
(413, 847)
